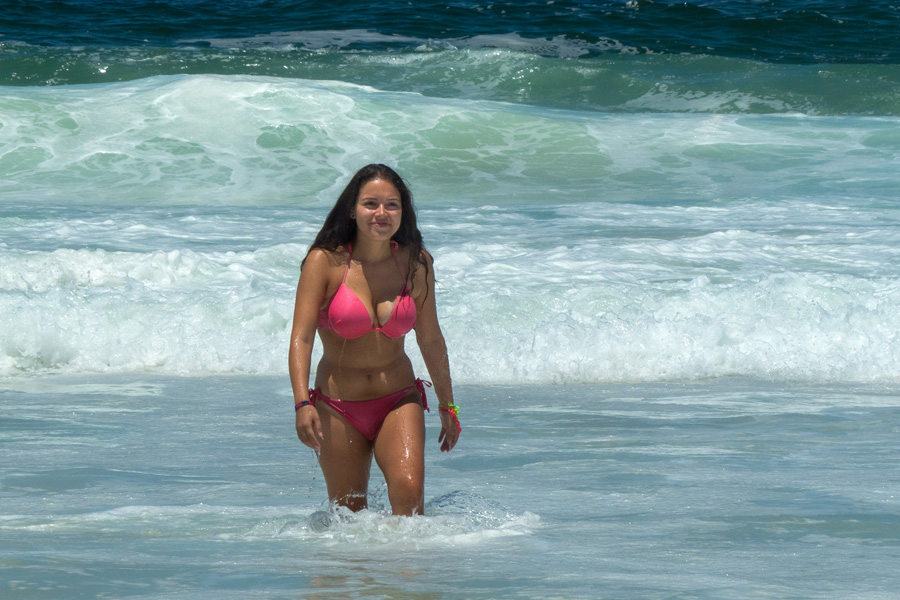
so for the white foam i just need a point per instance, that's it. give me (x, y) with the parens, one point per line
(639, 311)
(211, 140)
(455, 519)
(584, 293)
(569, 247)
(176, 311)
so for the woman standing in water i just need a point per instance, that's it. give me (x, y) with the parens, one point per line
(364, 284)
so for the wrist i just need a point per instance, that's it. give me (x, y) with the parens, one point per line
(449, 408)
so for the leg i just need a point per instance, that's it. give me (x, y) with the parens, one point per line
(400, 454)
(345, 459)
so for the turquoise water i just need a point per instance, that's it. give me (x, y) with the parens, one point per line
(665, 238)
(144, 219)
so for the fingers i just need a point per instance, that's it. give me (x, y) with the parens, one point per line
(450, 430)
(449, 439)
(309, 428)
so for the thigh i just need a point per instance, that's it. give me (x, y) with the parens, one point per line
(345, 458)
(400, 445)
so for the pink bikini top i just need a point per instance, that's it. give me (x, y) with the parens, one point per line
(347, 316)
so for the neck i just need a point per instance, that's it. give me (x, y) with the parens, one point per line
(369, 250)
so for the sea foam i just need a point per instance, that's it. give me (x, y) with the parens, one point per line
(159, 225)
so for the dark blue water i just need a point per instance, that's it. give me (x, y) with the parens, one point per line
(813, 58)
(780, 31)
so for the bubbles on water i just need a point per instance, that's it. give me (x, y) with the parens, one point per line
(320, 520)
(457, 517)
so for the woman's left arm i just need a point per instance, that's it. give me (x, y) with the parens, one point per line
(434, 352)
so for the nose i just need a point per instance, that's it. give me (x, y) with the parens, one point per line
(380, 210)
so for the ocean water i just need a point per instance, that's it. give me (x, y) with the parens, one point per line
(666, 242)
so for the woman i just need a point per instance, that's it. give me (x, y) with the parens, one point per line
(364, 284)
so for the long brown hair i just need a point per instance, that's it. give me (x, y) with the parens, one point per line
(340, 230)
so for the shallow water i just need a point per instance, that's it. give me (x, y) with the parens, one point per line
(144, 486)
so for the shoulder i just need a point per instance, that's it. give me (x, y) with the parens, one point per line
(320, 258)
(423, 258)
(323, 267)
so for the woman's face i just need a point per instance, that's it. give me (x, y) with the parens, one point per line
(378, 211)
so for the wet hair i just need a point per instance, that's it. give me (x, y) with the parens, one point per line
(340, 230)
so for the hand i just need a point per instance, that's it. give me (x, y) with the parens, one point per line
(450, 430)
(309, 428)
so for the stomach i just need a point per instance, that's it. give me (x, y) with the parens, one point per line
(364, 368)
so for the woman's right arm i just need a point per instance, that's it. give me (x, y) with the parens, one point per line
(310, 292)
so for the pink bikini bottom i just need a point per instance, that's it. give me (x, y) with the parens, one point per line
(367, 416)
